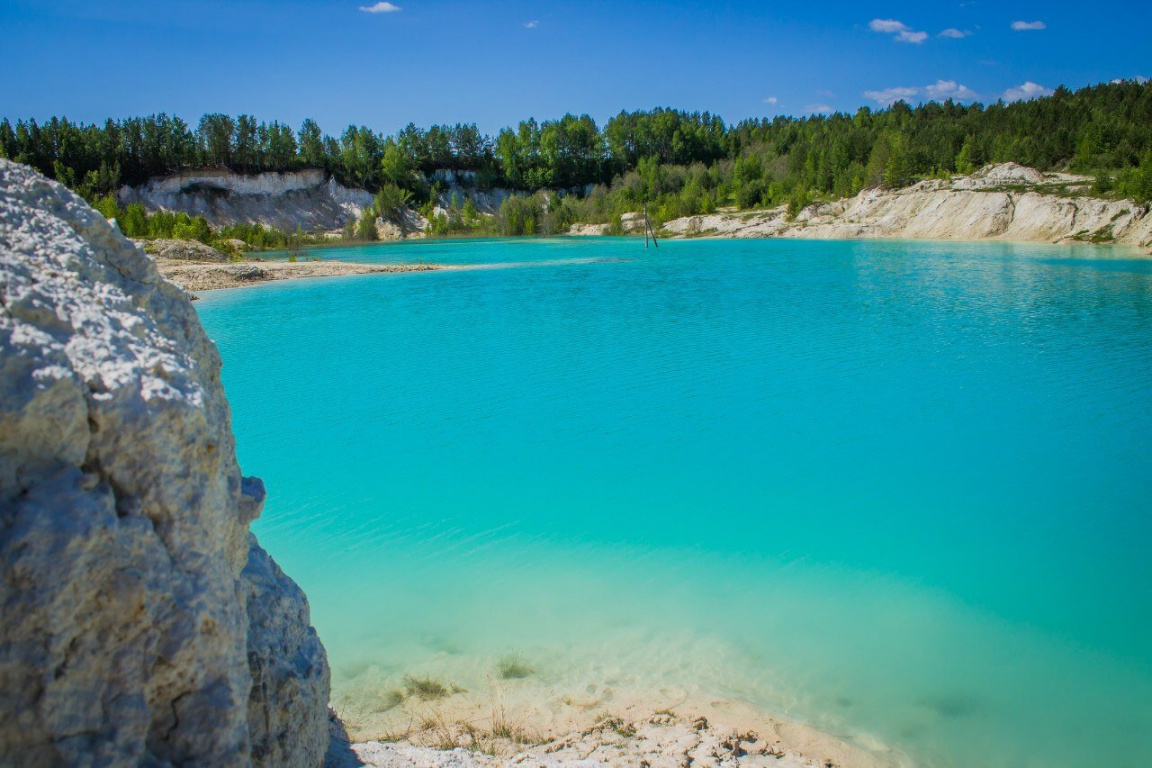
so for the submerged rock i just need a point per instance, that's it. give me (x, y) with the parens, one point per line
(141, 622)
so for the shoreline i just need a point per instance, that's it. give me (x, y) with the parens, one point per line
(214, 276)
(522, 722)
(1000, 203)
(211, 276)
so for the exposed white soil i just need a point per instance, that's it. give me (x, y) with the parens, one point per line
(1002, 202)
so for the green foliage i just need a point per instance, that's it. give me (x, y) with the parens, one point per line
(519, 216)
(366, 225)
(391, 202)
(1136, 183)
(263, 238)
(751, 194)
(679, 163)
(108, 207)
(966, 162)
(798, 201)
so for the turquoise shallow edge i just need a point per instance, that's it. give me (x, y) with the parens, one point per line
(892, 488)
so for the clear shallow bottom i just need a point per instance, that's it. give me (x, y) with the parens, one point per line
(898, 489)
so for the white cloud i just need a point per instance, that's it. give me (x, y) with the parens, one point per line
(771, 100)
(1139, 80)
(890, 96)
(1028, 26)
(380, 8)
(949, 89)
(938, 91)
(902, 31)
(887, 26)
(1028, 90)
(531, 24)
(818, 109)
(955, 34)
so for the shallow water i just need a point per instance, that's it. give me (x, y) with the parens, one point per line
(897, 490)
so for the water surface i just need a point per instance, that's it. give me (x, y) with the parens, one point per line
(901, 490)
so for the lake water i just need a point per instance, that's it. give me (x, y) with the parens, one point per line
(901, 491)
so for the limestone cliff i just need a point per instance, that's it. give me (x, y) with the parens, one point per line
(142, 625)
(1002, 202)
(309, 199)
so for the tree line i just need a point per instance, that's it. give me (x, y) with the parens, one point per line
(683, 162)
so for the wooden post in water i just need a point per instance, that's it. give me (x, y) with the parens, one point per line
(649, 228)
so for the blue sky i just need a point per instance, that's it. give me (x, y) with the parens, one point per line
(494, 63)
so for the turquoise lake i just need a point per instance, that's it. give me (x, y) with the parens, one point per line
(900, 491)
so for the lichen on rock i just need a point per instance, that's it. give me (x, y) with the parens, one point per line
(141, 622)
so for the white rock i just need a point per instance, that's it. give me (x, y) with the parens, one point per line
(1002, 202)
(128, 627)
(309, 199)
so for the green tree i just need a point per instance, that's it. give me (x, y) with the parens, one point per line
(366, 226)
(311, 144)
(391, 202)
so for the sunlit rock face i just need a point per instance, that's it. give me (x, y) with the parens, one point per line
(309, 199)
(141, 623)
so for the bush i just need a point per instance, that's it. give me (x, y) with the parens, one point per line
(519, 216)
(798, 201)
(366, 226)
(392, 202)
(751, 195)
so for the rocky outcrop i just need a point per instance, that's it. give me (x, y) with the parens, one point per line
(182, 250)
(142, 625)
(309, 199)
(1001, 202)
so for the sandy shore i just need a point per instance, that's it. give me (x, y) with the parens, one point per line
(208, 276)
(630, 734)
(529, 721)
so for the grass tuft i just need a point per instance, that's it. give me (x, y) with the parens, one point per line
(425, 688)
(514, 667)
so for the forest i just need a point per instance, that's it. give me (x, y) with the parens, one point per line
(679, 163)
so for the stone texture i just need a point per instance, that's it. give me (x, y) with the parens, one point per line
(289, 702)
(308, 198)
(133, 633)
(1000, 202)
(185, 250)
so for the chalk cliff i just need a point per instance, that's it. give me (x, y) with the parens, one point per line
(309, 199)
(142, 624)
(1000, 202)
